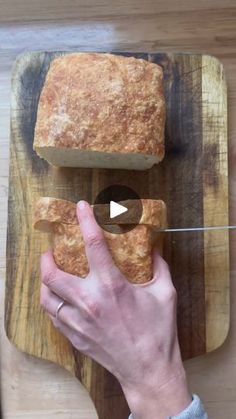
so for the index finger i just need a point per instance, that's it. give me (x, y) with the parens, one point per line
(97, 252)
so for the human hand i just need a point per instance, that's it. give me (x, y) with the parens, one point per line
(129, 329)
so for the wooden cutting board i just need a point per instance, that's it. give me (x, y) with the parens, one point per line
(193, 181)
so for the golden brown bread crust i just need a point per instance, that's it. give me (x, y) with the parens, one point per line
(135, 264)
(59, 217)
(52, 210)
(102, 102)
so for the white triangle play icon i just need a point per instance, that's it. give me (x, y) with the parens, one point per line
(116, 209)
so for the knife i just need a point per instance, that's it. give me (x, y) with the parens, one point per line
(175, 230)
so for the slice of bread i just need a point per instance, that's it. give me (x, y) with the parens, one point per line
(101, 111)
(50, 210)
(131, 251)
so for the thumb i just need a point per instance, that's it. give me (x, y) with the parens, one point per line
(161, 283)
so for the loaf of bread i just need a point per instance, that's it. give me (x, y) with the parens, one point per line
(131, 251)
(101, 111)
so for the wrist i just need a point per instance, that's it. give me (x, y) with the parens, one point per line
(167, 399)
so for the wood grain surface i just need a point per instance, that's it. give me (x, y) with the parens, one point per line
(33, 388)
(189, 175)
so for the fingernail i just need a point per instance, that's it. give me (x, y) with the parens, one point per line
(82, 205)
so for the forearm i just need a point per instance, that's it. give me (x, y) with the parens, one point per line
(167, 400)
(194, 411)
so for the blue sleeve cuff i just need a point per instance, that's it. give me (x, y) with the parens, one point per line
(194, 411)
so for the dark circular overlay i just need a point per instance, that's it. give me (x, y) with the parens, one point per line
(123, 222)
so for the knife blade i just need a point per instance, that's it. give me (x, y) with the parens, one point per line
(176, 230)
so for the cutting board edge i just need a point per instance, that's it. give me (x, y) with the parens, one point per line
(215, 195)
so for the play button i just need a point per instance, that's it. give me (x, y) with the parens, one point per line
(117, 209)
